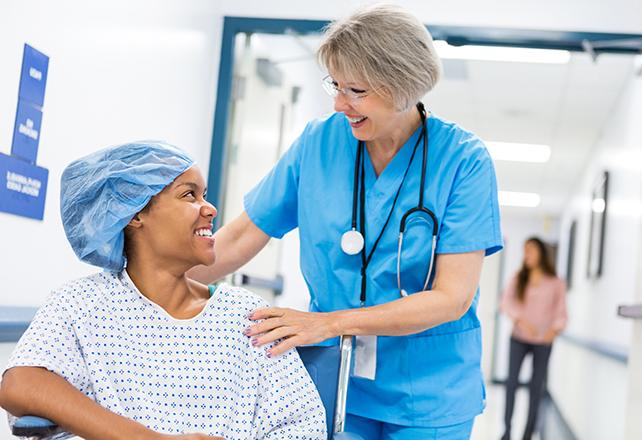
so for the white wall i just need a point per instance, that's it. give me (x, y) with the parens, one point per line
(125, 70)
(587, 377)
(114, 75)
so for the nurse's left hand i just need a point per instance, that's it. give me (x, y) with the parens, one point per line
(292, 327)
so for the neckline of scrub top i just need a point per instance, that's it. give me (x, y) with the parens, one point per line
(127, 279)
(379, 189)
(390, 178)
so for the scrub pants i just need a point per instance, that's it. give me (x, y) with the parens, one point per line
(541, 354)
(371, 429)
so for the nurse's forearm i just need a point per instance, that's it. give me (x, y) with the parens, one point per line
(235, 244)
(455, 285)
(405, 316)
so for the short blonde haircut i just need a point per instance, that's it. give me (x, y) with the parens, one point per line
(386, 47)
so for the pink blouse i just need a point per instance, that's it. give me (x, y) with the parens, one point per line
(543, 308)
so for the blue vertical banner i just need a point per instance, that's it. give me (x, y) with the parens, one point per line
(26, 132)
(23, 187)
(23, 184)
(33, 76)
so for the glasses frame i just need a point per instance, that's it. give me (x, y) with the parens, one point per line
(328, 85)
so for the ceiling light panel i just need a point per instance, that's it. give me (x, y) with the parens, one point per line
(519, 199)
(508, 54)
(519, 152)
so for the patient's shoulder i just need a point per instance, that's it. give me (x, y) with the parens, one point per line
(239, 298)
(90, 284)
(87, 289)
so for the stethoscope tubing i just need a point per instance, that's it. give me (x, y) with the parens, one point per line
(358, 199)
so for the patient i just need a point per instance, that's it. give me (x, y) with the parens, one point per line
(139, 350)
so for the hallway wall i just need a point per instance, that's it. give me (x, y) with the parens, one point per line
(590, 389)
(123, 70)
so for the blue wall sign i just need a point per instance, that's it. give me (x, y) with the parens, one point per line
(26, 131)
(33, 77)
(23, 187)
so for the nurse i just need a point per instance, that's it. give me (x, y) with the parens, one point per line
(379, 156)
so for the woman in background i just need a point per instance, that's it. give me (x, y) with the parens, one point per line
(535, 301)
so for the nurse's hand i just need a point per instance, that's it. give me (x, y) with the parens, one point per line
(292, 327)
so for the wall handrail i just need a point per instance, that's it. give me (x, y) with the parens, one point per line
(14, 321)
(616, 353)
(630, 311)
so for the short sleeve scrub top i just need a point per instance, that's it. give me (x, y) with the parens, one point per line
(432, 378)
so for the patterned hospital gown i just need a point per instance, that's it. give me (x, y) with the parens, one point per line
(173, 376)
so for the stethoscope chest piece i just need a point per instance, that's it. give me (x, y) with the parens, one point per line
(352, 242)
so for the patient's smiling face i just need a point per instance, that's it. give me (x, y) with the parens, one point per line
(177, 225)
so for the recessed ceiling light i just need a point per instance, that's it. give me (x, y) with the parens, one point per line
(518, 199)
(500, 53)
(518, 152)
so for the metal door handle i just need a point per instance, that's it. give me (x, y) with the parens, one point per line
(633, 311)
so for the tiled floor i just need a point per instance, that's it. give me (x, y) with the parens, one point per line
(490, 425)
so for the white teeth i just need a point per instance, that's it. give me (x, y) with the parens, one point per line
(355, 120)
(204, 233)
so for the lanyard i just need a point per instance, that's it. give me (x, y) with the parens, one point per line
(365, 256)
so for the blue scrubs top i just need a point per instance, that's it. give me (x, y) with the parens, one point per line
(432, 378)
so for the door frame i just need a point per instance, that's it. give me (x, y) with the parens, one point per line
(593, 42)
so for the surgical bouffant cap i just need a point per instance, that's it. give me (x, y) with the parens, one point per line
(101, 193)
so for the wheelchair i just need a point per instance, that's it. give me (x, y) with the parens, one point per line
(329, 368)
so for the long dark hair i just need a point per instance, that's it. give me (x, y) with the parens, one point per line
(545, 264)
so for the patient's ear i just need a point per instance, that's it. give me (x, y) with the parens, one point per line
(136, 222)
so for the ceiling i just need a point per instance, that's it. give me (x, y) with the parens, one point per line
(565, 106)
(562, 105)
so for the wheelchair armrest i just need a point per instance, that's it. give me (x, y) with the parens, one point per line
(32, 426)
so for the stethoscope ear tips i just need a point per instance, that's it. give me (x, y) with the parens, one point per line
(352, 242)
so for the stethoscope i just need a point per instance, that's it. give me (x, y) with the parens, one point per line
(353, 241)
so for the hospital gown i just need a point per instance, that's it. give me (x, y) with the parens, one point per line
(172, 375)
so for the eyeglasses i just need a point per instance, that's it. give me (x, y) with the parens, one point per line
(333, 89)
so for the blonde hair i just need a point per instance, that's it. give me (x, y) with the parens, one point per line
(386, 47)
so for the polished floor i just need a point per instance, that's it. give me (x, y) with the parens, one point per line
(490, 425)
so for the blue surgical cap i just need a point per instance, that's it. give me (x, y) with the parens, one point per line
(100, 194)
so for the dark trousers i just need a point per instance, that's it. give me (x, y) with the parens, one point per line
(541, 354)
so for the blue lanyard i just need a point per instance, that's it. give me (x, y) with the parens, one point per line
(367, 257)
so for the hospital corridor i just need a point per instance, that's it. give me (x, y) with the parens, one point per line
(316, 220)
